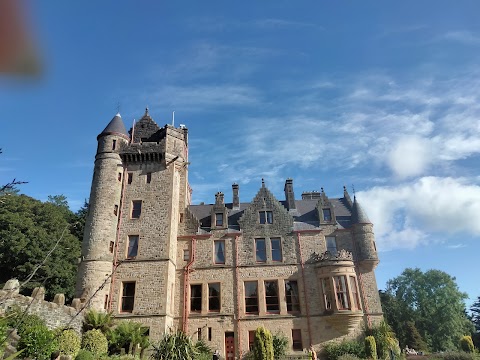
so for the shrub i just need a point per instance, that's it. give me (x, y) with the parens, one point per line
(263, 344)
(38, 342)
(370, 347)
(333, 351)
(128, 335)
(204, 351)
(280, 345)
(97, 320)
(69, 343)
(348, 357)
(95, 342)
(466, 344)
(174, 346)
(455, 355)
(84, 355)
(27, 321)
(385, 340)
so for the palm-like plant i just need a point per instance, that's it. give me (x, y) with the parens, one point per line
(175, 346)
(129, 335)
(98, 320)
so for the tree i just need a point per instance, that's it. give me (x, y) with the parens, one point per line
(433, 302)
(475, 309)
(129, 335)
(29, 231)
(79, 221)
(413, 338)
(263, 344)
(280, 345)
(10, 187)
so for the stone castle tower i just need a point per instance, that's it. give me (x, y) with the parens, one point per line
(303, 267)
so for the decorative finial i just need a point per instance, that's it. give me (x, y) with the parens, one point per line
(118, 107)
(146, 110)
(322, 190)
(353, 190)
(344, 188)
(263, 182)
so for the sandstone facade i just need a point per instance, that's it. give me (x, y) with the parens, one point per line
(300, 267)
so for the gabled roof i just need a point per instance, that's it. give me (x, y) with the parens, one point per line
(115, 127)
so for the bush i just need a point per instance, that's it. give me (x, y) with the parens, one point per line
(370, 347)
(84, 355)
(385, 340)
(28, 321)
(348, 357)
(69, 343)
(334, 351)
(466, 344)
(454, 355)
(95, 342)
(280, 345)
(174, 346)
(263, 344)
(38, 342)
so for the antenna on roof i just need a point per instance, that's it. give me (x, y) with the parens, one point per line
(133, 131)
(118, 107)
(173, 118)
(353, 190)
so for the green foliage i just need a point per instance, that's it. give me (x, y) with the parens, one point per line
(280, 345)
(348, 357)
(127, 335)
(95, 342)
(174, 346)
(97, 320)
(370, 347)
(69, 342)
(455, 355)
(413, 338)
(475, 310)
(433, 302)
(38, 342)
(333, 350)
(263, 344)
(466, 344)
(203, 349)
(384, 339)
(85, 355)
(29, 229)
(24, 322)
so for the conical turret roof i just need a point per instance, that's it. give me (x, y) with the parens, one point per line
(358, 214)
(115, 127)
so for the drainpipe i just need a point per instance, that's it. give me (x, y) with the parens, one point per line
(302, 263)
(239, 336)
(360, 282)
(186, 282)
(119, 223)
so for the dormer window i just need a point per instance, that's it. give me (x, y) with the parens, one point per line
(218, 219)
(265, 217)
(331, 244)
(327, 215)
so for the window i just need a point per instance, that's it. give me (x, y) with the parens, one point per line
(271, 296)
(251, 339)
(251, 297)
(327, 293)
(214, 297)
(341, 292)
(130, 178)
(136, 208)
(209, 334)
(181, 217)
(128, 296)
(276, 249)
(110, 248)
(132, 246)
(199, 333)
(105, 304)
(354, 290)
(114, 144)
(196, 298)
(327, 215)
(148, 179)
(331, 244)
(119, 176)
(219, 246)
(260, 250)
(297, 340)
(186, 254)
(219, 219)
(115, 210)
(291, 295)
(266, 217)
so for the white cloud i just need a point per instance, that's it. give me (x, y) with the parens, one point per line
(410, 156)
(465, 37)
(404, 214)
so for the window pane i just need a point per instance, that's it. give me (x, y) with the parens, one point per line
(128, 296)
(261, 250)
(195, 297)
(214, 297)
(331, 244)
(297, 340)
(327, 294)
(353, 289)
(271, 296)
(251, 297)
(327, 215)
(136, 208)
(291, 294)
(269, 217)
(276, 250)
(218, 219)
(341, 291)
(219, 252)
(262, 217)
(132, 246)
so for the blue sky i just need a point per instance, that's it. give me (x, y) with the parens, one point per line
(384, 96)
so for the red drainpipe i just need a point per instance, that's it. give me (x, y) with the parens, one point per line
(186, 282)
(239, 336)
(115, 259)
(302, 263)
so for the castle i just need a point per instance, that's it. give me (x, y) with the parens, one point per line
(303, 268)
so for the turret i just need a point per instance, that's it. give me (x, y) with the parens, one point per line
(101, 224)
(364, 237)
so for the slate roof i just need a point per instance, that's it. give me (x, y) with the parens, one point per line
(306, 218)
(358, 214)
(115, 126)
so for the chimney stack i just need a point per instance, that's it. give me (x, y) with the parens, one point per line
(236, 198)
(219, 198)
(289, 195)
